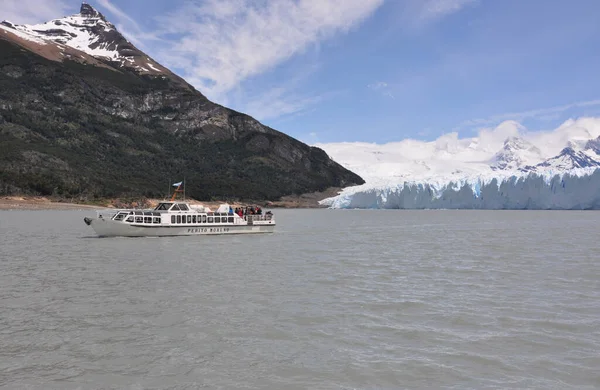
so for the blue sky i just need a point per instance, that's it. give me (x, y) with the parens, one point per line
(370, 70)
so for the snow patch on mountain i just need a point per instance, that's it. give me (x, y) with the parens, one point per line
(569, 158)
(500, 168)
(8, 27)
(89, 32)
(81, 31)
(516, 153)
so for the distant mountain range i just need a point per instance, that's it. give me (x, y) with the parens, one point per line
(515, 153)
(84, 113)
(569, 147)
(518, 154)
(569, 158)
(524, 170)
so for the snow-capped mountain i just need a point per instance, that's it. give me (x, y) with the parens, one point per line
(569, 158)
(506, 167)
(88, 32)
(516, 153)
(593, 146)
(86, 112)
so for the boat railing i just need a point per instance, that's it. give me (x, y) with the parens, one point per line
(258, 217)
(107, 214)
(111, 214)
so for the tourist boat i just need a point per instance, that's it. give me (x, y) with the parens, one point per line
(176, 218)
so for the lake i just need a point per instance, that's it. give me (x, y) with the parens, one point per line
(335, 299)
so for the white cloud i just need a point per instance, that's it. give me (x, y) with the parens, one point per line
(382, 87)
(540, 113)
(223, 42)
(127, 26)
(216, 45)
(116, 11)
(378, 85)
(310, 138)
(452, 155)
(572, 130)
(491, 139)
(278, 102)
(435, 9)
(32, 11)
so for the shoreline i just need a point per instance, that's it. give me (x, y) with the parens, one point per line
(304, 201)
(41, 203)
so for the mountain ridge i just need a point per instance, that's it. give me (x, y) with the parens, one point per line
(515, 153)
(91, 33)
(74, 121)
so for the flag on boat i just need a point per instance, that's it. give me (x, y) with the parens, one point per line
(177, 184)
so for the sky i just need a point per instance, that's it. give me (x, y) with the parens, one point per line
(377, 71)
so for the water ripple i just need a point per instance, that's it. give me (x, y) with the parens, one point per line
(334, 300)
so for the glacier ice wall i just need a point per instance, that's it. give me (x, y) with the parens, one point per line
(578, 189)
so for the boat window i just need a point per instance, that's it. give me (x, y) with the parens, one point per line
(230, 219)
(147, 219)
(156, 219)
(183, 219)
(139, 219)
(175, 207)
(193, 219)
(217, 219)
(130, 219)
(173, 219)
(210, 219)
(119, 217)
(163, 206)
(204, 219)
(183, 206)
(179, 219)
(189, 218)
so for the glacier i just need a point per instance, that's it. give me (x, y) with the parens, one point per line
(578, 189)
(503, 168)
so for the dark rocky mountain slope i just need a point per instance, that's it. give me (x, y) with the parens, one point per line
(73, 123)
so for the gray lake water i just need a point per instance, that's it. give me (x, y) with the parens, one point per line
(335, 299)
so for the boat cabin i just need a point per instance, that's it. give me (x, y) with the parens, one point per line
(177, 214)
(173, 213)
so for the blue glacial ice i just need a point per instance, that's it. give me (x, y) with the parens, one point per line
(576, 189)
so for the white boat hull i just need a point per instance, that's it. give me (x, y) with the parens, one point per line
(110, 228)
